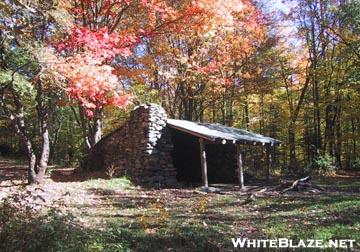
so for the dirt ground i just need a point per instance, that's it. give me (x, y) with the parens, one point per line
(97, 201)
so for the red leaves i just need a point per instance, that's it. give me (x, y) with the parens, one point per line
(89, 51)
(100, 44)
(90, 80)
(93, 86)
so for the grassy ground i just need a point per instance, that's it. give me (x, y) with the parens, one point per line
(99, 214)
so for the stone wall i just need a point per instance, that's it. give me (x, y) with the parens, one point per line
(140, 149)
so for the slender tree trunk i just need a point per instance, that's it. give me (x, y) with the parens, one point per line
(97, 129)
(213, 111)
(314, 53)
(36, 167)
(261, 122)
(317, 120)
(30, 154)
(338, 149)
(292, 146)
(82, 122)
(223, 108)
(307, 135)
(42, 162)
(231, 107)
(353, 132)
(53, 143)
(246, 113)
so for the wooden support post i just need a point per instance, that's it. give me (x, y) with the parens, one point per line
(240, 166)
(203, 163)
(268, 163)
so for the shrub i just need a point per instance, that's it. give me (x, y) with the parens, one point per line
(111, 171)
(356, 164)
(324, 165)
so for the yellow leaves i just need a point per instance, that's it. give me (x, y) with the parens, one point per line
(222, 10)
(64, 4)
(156, 215)
(5, 8)
(202, 206)
(212, 56)
(63, 18)
(61, 13)
(50, 64)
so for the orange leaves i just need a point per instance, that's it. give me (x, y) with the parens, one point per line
(211, 67)
(146, 60)
(212, 53)
(200, 42)
(134, 74)
(246, 75)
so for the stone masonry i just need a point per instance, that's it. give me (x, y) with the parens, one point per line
(140, 149)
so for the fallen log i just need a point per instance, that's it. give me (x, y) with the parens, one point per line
(296, 183)
(302, 184)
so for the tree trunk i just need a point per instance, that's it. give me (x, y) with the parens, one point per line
(317, 121)
(292, 146)
(338, 148)
(97, 128)
(42, 162)
(246, 117)
(53, 143)
(353, 132)
(82, 122)
(36, 168)
(31, 168)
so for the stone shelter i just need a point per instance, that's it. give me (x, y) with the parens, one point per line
(153, 150)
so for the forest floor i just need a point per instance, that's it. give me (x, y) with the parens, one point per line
(91, 213)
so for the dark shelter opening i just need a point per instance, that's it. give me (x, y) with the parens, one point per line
(221, 159)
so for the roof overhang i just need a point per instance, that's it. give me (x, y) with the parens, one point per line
(221, 134)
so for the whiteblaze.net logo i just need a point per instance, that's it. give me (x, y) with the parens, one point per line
(288, 243)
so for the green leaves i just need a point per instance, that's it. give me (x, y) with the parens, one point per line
(21, 84)
(20, 59)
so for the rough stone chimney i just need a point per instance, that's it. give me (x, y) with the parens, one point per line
(140, 149)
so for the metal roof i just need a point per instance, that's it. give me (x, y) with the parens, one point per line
(217, 132)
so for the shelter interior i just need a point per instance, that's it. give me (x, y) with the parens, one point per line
(221, 159)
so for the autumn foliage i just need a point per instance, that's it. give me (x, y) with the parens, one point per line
(91, 49)
(90, 80)
(104, 34)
